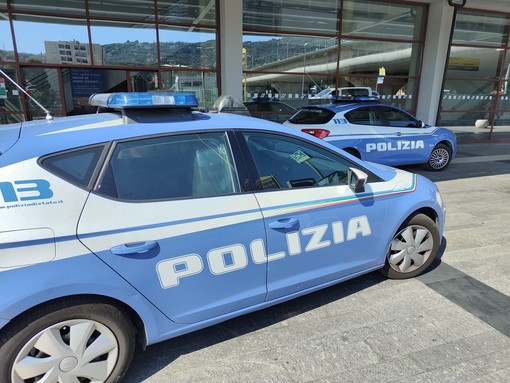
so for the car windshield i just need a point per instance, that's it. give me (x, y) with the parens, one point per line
(324, 92)
(312, 116)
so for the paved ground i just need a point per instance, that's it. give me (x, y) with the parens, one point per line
(451, 324)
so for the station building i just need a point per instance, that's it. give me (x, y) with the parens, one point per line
(446, 61)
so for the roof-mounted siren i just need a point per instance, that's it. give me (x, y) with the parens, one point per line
(355, 94)
(230, 104)
(126, 100)
(137, 107)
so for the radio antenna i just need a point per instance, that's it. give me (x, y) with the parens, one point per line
(49, 117)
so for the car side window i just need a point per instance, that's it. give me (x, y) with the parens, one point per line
(76, 166)
(284, 162)
(179, 166)
(312, 116)
(363, 116)
(399, 118)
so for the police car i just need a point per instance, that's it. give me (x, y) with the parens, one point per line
(152, 219)
(376, 132)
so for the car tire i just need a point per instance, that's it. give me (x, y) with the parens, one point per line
(413, 248)
(439, 158)
(71, 336)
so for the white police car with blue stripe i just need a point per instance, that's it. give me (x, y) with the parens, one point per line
(377, 132)
(153, 219)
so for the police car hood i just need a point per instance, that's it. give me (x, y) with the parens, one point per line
(381, 167)
(9, 134)
(383, 171)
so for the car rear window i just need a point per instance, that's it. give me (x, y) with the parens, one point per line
(363, 116)
(312, 116)
(76, 166)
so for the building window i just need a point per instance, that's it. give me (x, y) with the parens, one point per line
(122, 34)
(295, 49)
(476, 84)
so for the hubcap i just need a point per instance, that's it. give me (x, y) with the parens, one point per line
(76, 350)
(439, 158)
(410, 249)
(68, 364)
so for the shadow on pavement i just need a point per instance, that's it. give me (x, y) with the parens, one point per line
(472, 160)
(156, 357)
(160, 355)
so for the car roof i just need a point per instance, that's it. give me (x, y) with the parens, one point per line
(341, 106)
(43, 137)
(344, 106)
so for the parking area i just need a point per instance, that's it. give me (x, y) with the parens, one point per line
(451, 324)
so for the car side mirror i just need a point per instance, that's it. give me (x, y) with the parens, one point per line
(357, 180)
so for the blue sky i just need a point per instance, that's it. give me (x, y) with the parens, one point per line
(30, 37)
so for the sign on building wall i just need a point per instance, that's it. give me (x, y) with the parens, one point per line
(464, 63)
(85, 82)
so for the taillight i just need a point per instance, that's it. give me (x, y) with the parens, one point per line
(319, 133)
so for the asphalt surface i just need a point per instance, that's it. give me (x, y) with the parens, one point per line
(452, 324)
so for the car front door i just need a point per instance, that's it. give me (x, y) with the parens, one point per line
(169, 217)
(318, 229)
(407, 142)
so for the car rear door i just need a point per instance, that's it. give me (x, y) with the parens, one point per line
(369, 132)
(168, 215)
(408, 141)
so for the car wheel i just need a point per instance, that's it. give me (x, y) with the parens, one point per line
(440, 157)
(67, 342)
(413, 248)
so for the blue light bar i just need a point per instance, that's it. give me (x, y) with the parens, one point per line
(355, 99)
(143, 100)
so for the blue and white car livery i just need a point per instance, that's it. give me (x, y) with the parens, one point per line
(377, 132)
(152, 220)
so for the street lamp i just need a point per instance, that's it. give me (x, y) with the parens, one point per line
(304, 70)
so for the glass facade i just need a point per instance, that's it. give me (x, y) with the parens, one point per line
(48, 47)
(43, 85)
(62, 51)
(10, 100)
(124, 44)
(6, 46)
(376, 19)
(297, 49)
(476, 85)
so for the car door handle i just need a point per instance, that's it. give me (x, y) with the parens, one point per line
(133, 248)
(398, 134)
(284, 223)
